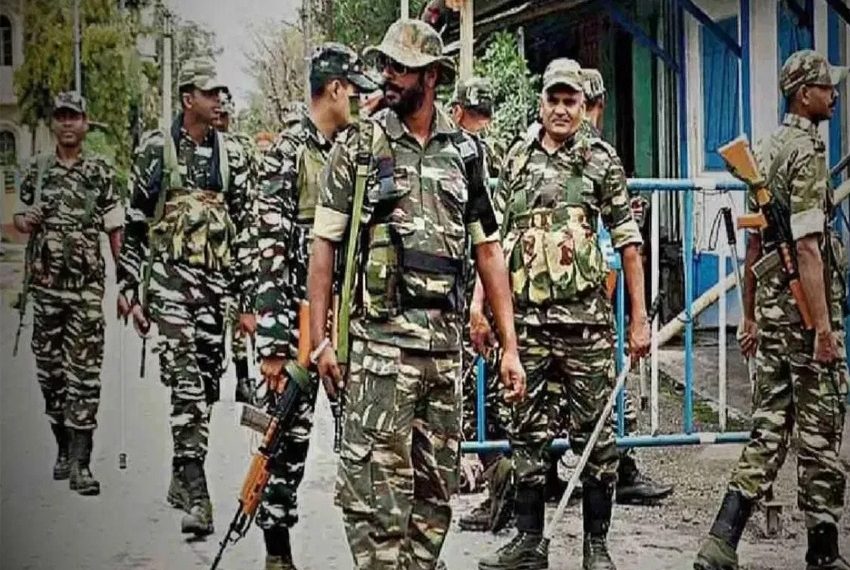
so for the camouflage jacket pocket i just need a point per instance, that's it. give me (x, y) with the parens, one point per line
(68, 259)
(381, 272)
(196, 229)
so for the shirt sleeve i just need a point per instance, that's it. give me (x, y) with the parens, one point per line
(111, 208)
(277, 205)
(337, 191)
(807, 185)
(480, 216)
(243, 212)
(607, 171)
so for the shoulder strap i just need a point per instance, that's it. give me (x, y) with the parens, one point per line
(43, 162)
(363, 161)
(223, 162)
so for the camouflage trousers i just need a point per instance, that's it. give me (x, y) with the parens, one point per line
(187, 309)
(399, 457)
(279, 507)
(569, 370)
(67, 342)
(791, 388)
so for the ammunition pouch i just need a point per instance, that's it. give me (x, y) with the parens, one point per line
(195, 228)
(554, 256)
(66, 257)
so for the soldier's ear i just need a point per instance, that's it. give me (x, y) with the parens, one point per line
(431, 75)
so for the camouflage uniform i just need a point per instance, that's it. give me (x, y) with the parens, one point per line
(550, 204)
(791, 387)
(67, 273)
(398, 460)
(191, 214)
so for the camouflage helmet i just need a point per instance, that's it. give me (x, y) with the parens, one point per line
(199, 72)
(333, 60)
(415, 44)
(476, 94)
(808, 67)
(70, 100)
(563, 71)
(594, 87)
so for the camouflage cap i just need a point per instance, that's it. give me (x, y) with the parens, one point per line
(70, 100)
(808, 67)
(228, 105)
(475, 93)
(333, 60)
(593, 85)
(415, 44)
(563, 71)
(200, 72)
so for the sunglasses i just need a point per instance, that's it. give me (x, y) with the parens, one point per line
(383, 62)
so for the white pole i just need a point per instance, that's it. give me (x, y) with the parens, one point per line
(167, 90)
(655, 231)
(78, 74)
(721, 341)
(466, 38)
(306, 14)
(405, 9)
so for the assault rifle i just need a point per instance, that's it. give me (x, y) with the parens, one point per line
(273, 427)
(25, 290)
(772, 220)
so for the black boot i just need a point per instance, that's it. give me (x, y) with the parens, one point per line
(527, 550)
(62, 467)
(823, 549)
(633, 488)
(199, 519)
(81, 479)
(719, 551)
(596, 507)
(278, 549)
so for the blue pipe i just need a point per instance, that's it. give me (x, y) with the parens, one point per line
(680, 185)
(480, 397)
(667, 440)
(621, 351)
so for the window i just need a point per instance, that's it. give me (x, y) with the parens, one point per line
(8, 159)
(5, 41)
(719, 93)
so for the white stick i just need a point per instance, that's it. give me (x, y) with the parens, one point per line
(721, 343)
(655, 230)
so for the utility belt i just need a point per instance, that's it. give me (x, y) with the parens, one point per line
(195, 228)
(66, 256)
(396, 278)
(554, 256)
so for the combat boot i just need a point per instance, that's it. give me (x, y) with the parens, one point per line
(596, 506)
(823, 549)
(527, 550)
(81, 479)
(62, 467)
(634, 488)
(199, 519)
(719, 551)
(278, 549)
(178, 494)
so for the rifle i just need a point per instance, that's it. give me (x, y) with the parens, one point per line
(772, 220)
(25, 290)
(272, 427)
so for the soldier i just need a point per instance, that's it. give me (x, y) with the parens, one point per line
(245, 385)
(554, 188)
(289, 192)
(67, 198)
(801, 375)
(632, 486)
(425, 197)
(188, 247)
(472, 111)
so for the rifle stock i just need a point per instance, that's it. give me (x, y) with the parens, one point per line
(742, 164)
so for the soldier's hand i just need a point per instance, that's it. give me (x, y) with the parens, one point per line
(639, 339)
(28, 221)
(826, 348)
(748, 337)
(140, 320)
(248, 323)
(123, 306)
(272, 370)
(330, 372)
(512, 376)
(481, 333)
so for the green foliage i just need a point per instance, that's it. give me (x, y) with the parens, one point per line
(515, 89)
(360, 23)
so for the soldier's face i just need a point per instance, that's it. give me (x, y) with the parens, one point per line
(222, 122)
(561, 111)
(204, 105)
(405, 92)
(69, 127)
(820, 100)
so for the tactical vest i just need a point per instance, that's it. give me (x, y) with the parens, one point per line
(310, 165)
(65, 255)
(410, 260)
(553, 252)
(192, 225)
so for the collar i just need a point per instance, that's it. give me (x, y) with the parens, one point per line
(208, 137)
(441, 124)
(314, 133)
(798, 122)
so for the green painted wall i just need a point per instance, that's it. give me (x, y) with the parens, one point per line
(643, 87)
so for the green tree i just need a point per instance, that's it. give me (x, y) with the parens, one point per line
(359, 23)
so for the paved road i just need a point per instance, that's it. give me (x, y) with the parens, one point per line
(43, 526)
